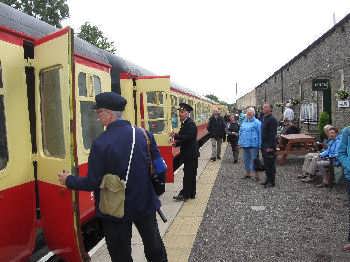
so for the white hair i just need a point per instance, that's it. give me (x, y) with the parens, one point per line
(117, 114)
(251, 109)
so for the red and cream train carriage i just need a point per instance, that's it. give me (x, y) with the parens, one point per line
(48, 80)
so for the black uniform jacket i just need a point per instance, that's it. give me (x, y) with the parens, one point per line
(187, 140)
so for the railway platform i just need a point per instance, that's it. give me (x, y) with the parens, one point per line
(233, 219)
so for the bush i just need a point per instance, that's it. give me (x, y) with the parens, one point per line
(324, 120)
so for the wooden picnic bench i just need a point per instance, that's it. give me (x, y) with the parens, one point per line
(294, 144)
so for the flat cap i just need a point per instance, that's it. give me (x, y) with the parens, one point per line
(184, 106)
(110, 100)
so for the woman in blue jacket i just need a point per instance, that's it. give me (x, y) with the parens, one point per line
(344, 159)
(250, 141)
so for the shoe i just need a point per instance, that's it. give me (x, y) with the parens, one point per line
(235, 162)
(219, 158)
(193, 197)
(246, 177)
(213, 159)
(269, 185)
(180, 198)
(346, 248)
(321, 185)
(303, 175)
(264, 183)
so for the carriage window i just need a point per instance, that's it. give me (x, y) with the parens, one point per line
(3, 139)
(82, 84)
(156, 111)
(97, 85)
(174, 114)
(91, 127)
(51, 113)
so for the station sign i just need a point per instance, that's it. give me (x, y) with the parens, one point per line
(320, 84)
(343, 103)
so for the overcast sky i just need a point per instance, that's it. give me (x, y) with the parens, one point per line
(208, 46)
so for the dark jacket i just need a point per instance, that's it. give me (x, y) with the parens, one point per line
(269, 132)
(216, 127)
(231, 138)
(110, 154)
(186, 139)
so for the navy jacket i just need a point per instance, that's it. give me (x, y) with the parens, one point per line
(269, 132)
(110, 154)
(187, 140)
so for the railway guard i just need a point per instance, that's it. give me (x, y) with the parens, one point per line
(189, 153)
(110, 155)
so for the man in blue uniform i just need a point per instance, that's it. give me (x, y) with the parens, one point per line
(110, 154)
(187, 140)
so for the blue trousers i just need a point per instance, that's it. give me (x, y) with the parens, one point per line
(249, 154)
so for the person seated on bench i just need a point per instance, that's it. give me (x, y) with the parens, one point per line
(309, 166)
(328, 158)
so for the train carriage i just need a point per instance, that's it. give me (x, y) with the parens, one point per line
(48, 81)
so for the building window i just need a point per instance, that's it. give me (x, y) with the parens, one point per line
(51, 113)
(82, 84)
(90, 125)
(308, 113)
(3, 136)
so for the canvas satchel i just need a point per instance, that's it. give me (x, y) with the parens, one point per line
(112, 190)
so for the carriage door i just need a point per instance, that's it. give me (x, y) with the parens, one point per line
(154, 113)
(53, 71)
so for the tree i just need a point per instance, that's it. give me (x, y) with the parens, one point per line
(95, 36)
(50, 11)
(213, 97)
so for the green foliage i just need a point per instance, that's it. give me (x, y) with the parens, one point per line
(50, 11)
(95, 36)
(342, 94)
(324, 120)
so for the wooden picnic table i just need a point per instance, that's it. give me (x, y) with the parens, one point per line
(295, 144)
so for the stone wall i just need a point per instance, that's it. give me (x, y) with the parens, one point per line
(247, 100)
(327, 58)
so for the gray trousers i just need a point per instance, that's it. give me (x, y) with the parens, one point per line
(310, 163)
(216, 147)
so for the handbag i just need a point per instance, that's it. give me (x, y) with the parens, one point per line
(258, 165)
(157, 169)
(112, 190)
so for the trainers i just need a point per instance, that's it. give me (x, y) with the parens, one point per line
(213, 159)
(307, 180)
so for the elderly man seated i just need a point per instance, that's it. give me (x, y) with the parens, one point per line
(324, 160)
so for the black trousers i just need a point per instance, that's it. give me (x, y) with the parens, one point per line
(235, 150)
(189, 179)
(270, 165)
(118, 239)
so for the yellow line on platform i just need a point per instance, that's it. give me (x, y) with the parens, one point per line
(180, 236)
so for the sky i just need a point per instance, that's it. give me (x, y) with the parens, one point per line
(209, 46)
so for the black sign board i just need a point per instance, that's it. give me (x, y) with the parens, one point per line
(320, 84)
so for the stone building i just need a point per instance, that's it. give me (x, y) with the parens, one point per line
(247, 100)
(312, 79)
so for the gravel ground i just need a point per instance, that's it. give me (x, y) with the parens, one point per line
(292, 222)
